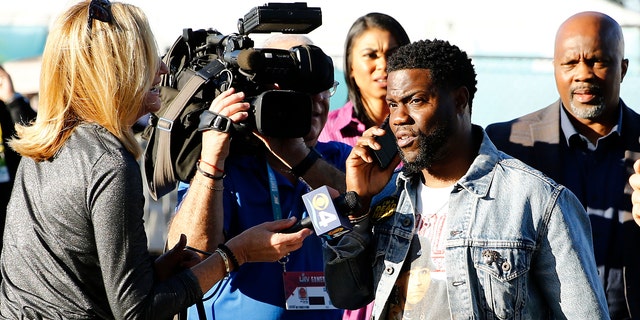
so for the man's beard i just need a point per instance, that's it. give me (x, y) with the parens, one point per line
(588, 112)
(591, 111)
(429, 146)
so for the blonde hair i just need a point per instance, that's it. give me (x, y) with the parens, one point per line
(99, 75)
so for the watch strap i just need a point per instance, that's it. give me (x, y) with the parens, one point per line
(301, 168)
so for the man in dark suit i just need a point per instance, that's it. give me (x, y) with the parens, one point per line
(588, 141)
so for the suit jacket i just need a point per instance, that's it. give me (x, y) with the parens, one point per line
(536, 139)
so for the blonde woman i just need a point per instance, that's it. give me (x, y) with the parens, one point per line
(74, 245)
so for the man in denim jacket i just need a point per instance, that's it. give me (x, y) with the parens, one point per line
(504, 240)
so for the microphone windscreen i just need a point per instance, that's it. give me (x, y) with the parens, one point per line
(249, 60)
(348, 203)
(352, 201)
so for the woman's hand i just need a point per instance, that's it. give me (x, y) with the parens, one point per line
(175, 260)
(263, 242)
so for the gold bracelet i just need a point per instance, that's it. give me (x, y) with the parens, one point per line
(230, 255)
(225, 259)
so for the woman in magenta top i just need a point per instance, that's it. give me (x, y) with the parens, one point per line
(370, 40)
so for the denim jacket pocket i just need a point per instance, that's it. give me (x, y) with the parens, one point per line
(502, 276)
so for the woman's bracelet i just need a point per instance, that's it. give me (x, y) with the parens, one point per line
(230, 255)
(222, 253)
(209, 175)
(225, 259)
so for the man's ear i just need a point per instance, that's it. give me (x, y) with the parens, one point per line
(461, 96)
(624, 65)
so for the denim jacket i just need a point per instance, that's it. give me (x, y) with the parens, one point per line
(518, 247)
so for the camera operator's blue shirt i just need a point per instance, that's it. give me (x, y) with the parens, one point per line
(257, 291)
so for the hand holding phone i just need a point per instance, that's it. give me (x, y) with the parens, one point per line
(389, 149)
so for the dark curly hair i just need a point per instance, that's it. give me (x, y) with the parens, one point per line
(449, 66)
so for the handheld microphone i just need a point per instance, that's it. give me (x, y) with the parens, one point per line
(348, 204)
(301, 224)
(328, 217)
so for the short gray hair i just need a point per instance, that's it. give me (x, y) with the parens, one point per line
(279, 40)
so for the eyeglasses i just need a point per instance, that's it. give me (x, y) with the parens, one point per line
(334, 88)
(328, 93)
(99, 10)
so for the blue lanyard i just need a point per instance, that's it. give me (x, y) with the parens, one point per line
(275, 195)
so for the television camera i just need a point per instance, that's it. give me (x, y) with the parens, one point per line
(232, 61)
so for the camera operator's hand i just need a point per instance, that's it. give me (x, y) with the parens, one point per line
(215, 144)
(200, 212)
(364, 175)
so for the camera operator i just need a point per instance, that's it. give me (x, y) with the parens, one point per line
(264, 179)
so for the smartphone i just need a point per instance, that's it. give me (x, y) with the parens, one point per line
(389, 149)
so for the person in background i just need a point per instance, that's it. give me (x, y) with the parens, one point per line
(588, 141)
(14, 108)
(74, 245)
(264, 179)
(370, 40)
(498, 254)
(18, 106)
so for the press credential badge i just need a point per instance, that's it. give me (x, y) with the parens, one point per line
(306, 291)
